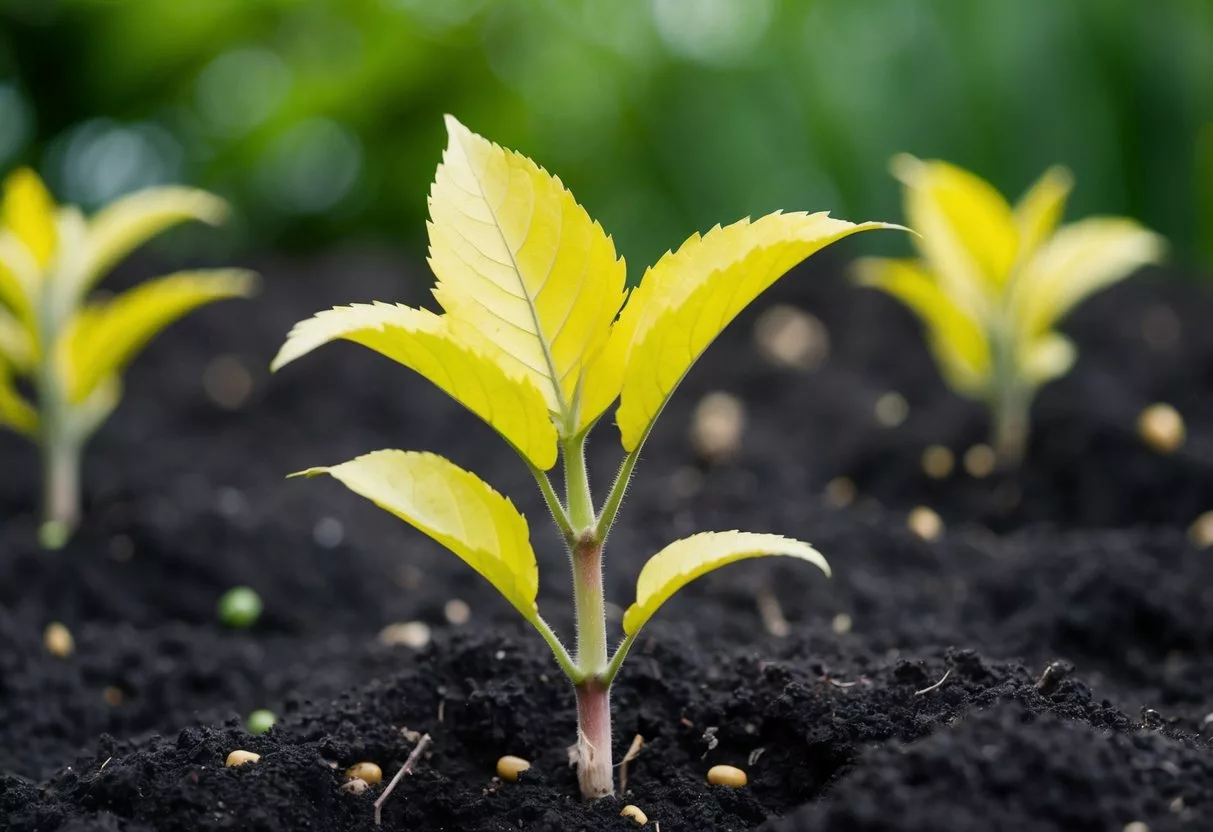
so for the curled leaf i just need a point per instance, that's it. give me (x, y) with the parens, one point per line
(684, 560)
(690, 296)
(99, 342)
(455, 508)
(421, 341)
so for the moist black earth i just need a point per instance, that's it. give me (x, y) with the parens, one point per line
(1045, 664)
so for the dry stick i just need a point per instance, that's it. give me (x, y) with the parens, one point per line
(935, 686)
(404, 769)
(633, 752)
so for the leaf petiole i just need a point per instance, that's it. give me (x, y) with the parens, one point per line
(559, 515)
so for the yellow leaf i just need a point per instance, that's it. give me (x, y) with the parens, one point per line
(521, 265)
(421, 341)
(684, 560)
(957, 340)
(1039, 212)
(20, 277)
(1046, 357)
(968, 234)
(455, 508)
(15, 412)
(690, 296)
(104, 337)
(17, 346)
(29, 211)
(1080, 259)
(124, 225)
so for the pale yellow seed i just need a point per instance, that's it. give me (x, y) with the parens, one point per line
(980, 461)
(355, 786)
(457, 611)
(1201, 531)
(840, 492)
(1161, 427)
(730, 776)
(717, 426)
(1136, 826)
(635, 813)
(239, 757)
(841, 624)
(509, 767)
(892, 409)
(790, 338)
(58, 641)
(227, 382)
(925, 523)
(938, 462)
(415, 634)
(369, 773)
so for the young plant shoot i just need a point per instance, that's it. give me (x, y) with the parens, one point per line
(992, 281)
(532, 339)
(69, 351)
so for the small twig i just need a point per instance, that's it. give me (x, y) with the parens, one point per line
(632, 753)
(103, 765)
(771, 613)
(935, 686)
(404, 769)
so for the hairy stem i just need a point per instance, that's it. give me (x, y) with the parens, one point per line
(594, 770)
(611, 508)
(559, 515)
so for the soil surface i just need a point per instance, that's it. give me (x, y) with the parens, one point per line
(1046, 664)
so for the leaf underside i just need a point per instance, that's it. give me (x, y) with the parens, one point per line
(454, 507)
(684, 560)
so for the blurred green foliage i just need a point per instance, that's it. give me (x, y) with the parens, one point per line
(321, 119)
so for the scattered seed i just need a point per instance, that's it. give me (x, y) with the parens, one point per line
(840, 492)
(457, 611)
(121, 548)
(509, 767)
(841, 624)
(414, 634)
(1160, 328)
(790, 338)
(980, 460)
(938, 462)
(239, 757)
(1054, 673)
(925, 523)
(355, 786)
(112, 696)
(1136, 826)
(891, 410)
(754, 755)
(58, 641)
(1201, 531)
(328, 532)
(365, 771)
(227, 382)
(717, 426)
(1177, 805)
(730, 776)
(261, 721)
(635, 814)
(239, 607)
(1161, 427)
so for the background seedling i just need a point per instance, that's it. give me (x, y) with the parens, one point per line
(992, 281)
(72, 351)
(239, 607)
(536, 340)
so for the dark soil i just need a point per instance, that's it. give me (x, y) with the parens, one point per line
(933, 711)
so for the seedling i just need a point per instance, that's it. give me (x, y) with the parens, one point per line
(992, 281)
(533, 340)
(69, 351)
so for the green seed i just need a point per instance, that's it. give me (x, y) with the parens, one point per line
(261, 721)
(240, 607)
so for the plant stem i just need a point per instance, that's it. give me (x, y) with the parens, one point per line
(559, 515)
(611, 508)
(60, 440)
(594, 771)
(1009, 405)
